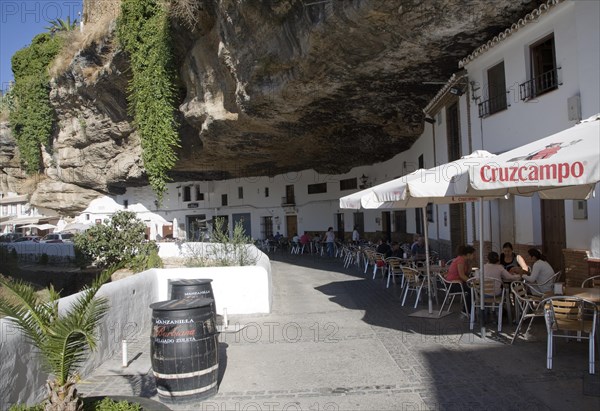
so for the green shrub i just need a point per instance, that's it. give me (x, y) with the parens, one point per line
(8, 261)
(43, 259)
(223, 250)
(144, 32)
(147, 258)
(115, 242)
(31, 115)
(21, 407)
(109, 405)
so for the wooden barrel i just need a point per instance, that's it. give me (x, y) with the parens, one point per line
(184, 349)
(193, 288)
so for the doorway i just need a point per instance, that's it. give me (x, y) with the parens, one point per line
(386, 225)
(197, 229)
(291, 225)
(457, 226)
(244, 219)
(339, 227)
(554, 237)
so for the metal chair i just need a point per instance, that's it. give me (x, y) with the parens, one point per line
(528, 305)
(594, 282)
(379, 260)
(566, 315)
(489, 299)
(413, 281)
(446, 286)
(394, 268)
(535, 288)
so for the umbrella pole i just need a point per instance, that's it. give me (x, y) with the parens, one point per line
(481, 285)
(426, 234)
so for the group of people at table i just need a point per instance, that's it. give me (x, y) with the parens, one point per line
(505, 267)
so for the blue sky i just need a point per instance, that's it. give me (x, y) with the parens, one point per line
(21, 20)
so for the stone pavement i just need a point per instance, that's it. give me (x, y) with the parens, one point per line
(338, 341)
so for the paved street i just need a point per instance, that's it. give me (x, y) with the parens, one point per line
(338, 341)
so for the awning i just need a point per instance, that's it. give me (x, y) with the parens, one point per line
(21, 221)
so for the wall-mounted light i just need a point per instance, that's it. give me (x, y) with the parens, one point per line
(156, 203)
(457, 91)
(429, 120)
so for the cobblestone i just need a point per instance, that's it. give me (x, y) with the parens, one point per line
(381, 358)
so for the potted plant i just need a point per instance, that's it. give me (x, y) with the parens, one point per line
(64, 340)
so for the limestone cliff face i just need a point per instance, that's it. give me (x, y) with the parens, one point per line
(268, 87)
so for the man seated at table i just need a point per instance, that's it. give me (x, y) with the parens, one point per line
(493, 269)
(396, 250)
(384, 248)
(418, 251)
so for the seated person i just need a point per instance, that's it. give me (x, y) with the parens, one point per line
(384, 248)
(305, 239)
(541, 272)
(418, 251)
(512, 262)
(493, 269)
(277, 236)
(296, 238)
(459, 272)
(396, 250)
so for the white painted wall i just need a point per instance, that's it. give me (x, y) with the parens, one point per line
(243, 290)
(576, 29)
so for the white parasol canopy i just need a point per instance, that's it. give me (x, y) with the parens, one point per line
(565, 165)
(444, 184)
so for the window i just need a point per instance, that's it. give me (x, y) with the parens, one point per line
(266, 191)
(317, 188)
(240, 192)
(267, 227)
(400, 221)
(289, 195)
(348, 184)
(496, 92)
(125, 204)
(543, 70)
(223, 199)
(187, 193)
(87, 217)
(199, 195)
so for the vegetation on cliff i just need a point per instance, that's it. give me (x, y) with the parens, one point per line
(32, 116)
(144, 32)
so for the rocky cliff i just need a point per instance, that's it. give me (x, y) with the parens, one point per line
(265, 87)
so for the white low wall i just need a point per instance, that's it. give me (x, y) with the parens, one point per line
(242, 290)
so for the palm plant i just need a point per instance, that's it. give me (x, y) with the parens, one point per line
(61, 25)
(63, 339)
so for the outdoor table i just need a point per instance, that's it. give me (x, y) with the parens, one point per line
(590, 294)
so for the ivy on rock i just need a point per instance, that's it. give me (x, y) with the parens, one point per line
(144, 32)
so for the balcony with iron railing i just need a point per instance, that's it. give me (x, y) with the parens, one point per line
(539, 85)
(288, 201)
(492, 105)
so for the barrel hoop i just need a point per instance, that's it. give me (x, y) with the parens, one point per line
(188, 392)
(187, 374)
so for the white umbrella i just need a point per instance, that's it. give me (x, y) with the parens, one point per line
(565, 165)
(398, 199)
(439, 185)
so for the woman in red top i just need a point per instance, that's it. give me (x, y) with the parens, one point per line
(459, 272)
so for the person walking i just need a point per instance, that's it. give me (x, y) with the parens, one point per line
(329, 241)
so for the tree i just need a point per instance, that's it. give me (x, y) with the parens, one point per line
(119, 240)
(63, 340)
